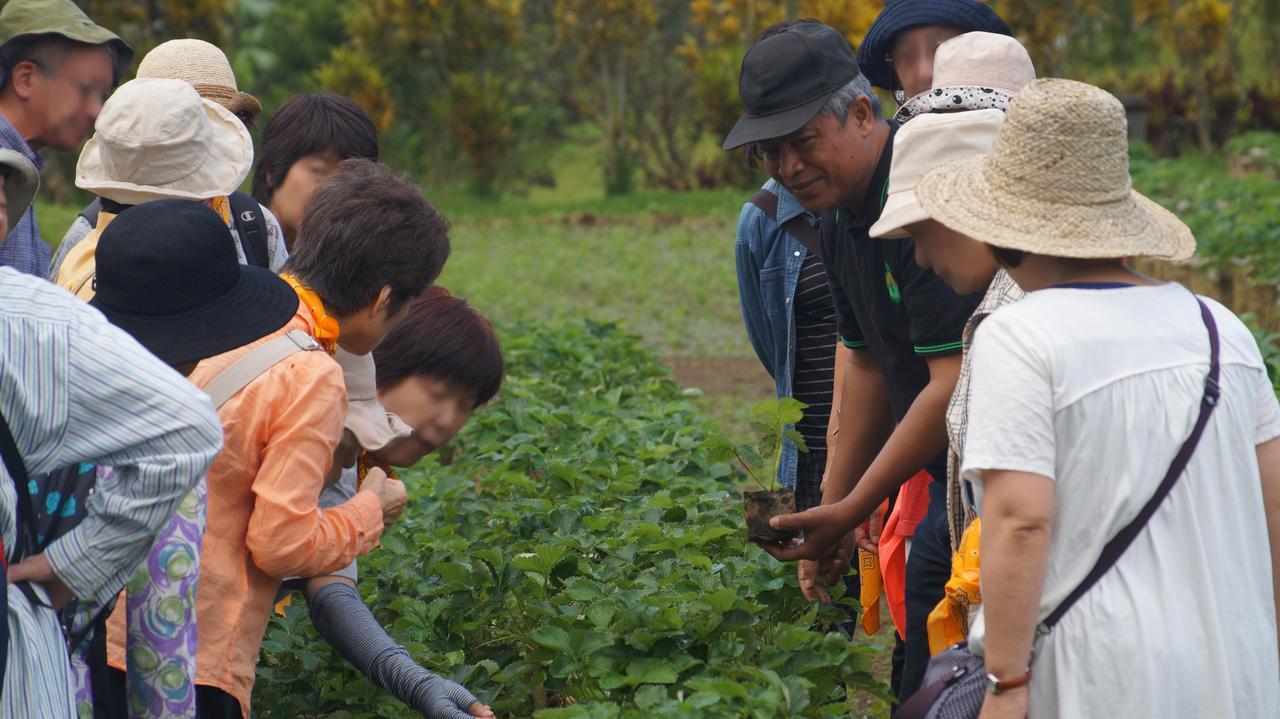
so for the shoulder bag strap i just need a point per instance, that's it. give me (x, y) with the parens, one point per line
(798, 226)
(249, 367)
(251, 225)
(1117, 546)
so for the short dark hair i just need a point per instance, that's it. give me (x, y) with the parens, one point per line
(47, 51)
(310, 125)
(367, 227)
(445, 338)
(1008, 257)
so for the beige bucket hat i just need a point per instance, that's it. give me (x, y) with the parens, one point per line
(923, 144)
(157, 139)
(22, 179)
(372, 425)
(204, 67)
(973, 71)
(1056, 183)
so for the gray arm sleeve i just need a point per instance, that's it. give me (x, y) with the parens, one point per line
(341, 617)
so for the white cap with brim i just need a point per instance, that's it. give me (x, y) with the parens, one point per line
(158, 139)
(372, 425)
(20, 185)
(923, 144)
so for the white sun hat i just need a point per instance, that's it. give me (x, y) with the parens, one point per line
(923, 144)
(158, 139)
(973, 71)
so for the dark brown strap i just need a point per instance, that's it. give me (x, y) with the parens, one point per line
(1112, 552)
(798, 226)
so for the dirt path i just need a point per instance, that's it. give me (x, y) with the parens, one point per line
(719, 376)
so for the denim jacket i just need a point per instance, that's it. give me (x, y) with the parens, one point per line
(769, 262)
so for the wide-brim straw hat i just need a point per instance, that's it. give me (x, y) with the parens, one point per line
(204, 67)
(372, 425)
(20, 185)
(157, 139)
(921, 145)
(1056, 183)
(973, 71)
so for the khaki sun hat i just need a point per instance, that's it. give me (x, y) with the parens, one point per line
(923, 144)
(372, 425)
(202, 65)
(973, 71)
(28, 19)
(157, 139)
(1056, 183)
(22, 179)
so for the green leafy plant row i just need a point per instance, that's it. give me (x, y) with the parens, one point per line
(580, 553)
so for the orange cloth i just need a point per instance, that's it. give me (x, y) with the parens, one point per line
(908, 511)
(871, 587)
(949, 621)
(263, 520)
(323, 327)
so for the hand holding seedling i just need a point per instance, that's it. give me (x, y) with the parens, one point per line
(390, 493)
(823, 528)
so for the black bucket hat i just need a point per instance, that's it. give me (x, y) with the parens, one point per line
(901, 15)
(786, 78)
(168, 274)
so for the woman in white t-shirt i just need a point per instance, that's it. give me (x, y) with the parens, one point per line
(1081, 395)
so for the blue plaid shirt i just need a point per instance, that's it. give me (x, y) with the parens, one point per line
(23, 249)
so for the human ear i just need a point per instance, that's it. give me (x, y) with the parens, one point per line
(21, 78)
(383, 303)
(861, 115)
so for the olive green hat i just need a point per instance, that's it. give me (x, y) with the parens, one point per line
(29, 19)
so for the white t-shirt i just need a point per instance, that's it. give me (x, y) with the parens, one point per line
(1096, 389)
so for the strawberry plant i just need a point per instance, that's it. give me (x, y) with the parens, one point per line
(774, 419)
(576, 555)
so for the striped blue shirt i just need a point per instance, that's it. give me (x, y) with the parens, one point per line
(75, 388)
(23, 249)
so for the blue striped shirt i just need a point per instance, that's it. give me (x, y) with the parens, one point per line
(75, 388)
(23, 249)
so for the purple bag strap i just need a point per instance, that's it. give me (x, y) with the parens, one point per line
(1116, 547)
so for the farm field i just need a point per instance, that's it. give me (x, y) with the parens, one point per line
(578, 552)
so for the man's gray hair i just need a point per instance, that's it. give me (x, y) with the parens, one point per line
(838, 104)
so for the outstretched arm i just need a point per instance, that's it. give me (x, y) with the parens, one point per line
(341, 617)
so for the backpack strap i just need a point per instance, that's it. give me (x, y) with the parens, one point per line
(236, 377)
(251, 225)
(24, 534)
(90, 212)
(798, 226)
(1113, 550)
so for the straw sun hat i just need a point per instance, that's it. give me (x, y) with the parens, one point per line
(1056, 183)
(202, 65)
(158, 139)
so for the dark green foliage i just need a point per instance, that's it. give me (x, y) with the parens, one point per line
(580, 556)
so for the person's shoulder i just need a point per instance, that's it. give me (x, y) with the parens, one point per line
(30, 297)
(1237, 340)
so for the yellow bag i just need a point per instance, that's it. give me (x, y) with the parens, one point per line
(949, 621)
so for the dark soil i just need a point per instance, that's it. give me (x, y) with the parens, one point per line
(722, 375)
(759, 506)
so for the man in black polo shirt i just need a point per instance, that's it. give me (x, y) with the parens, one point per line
(799, 88)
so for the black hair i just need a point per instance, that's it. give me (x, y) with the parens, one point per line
(310, 125)
(1008, 257)
(445, 338)
(366, 228)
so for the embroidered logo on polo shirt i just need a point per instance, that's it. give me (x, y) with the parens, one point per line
(889, 282)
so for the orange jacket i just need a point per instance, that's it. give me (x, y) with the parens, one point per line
(263, 520)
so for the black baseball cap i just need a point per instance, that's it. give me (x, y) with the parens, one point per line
(787, 77)
(167, 273)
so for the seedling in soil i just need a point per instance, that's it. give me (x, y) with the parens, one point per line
(772, 419)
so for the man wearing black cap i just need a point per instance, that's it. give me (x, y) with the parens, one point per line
(897, 54)
(901, 322)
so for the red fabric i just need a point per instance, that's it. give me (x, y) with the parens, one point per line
(908, 511)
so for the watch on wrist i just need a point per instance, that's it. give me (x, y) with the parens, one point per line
(996, 685)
